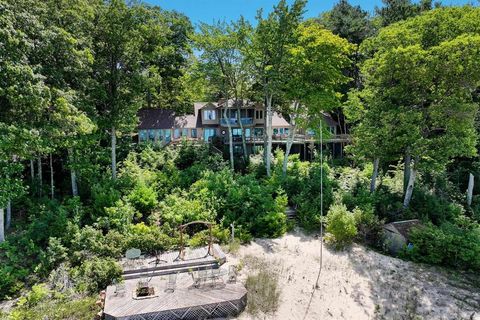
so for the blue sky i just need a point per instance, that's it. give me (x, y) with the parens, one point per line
(211, 10)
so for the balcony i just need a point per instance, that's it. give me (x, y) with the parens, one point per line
(234, 121)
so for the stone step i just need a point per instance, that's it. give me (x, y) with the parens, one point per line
(143, 273)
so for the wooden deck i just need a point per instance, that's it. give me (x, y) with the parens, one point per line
(170, 261)
(221, 300)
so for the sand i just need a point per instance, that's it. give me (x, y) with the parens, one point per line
(356, 284)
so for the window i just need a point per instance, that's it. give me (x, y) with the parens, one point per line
(168, 134)
(247, 132)
(160, 134)
(258, 114)
(275, 131)
(208, 133)
(184, 132)
(193, 133)
(237, 132)
(280, 130)
(151, 135)
(286, 130)
(258, 132)
(142, 136)
(209, 115)
(176, 133)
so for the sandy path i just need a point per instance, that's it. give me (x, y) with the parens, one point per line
(357, 284)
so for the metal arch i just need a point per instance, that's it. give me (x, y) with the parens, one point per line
(181, 228)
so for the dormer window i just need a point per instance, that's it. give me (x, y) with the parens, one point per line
(209, 115)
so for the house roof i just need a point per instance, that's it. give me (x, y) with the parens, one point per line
(402, 227)
(167, 119)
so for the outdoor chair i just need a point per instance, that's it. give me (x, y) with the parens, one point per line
(232, 274)
(119, 289)
(172, 282)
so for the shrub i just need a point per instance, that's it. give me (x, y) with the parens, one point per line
(148, 238)
(143, 198)
(369, 227)
(201, 238)
(340, 228)
(118, 217)
(179, 208)
(309, 202)
(96, 274)
(453, 245)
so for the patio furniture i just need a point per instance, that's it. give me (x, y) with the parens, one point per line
(119, 289)
(172, 282)
(133, 256)
(232, 274)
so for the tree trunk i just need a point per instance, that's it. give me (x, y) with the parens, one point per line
(230, 137)
(290, 138)
(32, 170)
(52, 183)
(114, 153)
(73, 173)
(244, 144)
(40, 175)
(411, 183)
(269, 135)
(373, 182)
(2, 228)
(471, 182)
(406, 170)
(8, 221)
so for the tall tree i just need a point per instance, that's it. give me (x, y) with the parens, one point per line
(397, 10)
(266, 51)
(315, 72)
(224, 65)
(420, 84)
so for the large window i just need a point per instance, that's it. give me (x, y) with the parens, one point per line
(247, 132)
(209, 115)
(208, 133)
(237, 132)
(161, 134)
(142, 136)
(258, 132)
(176, 133)
(194, 133)
(184, 132)
(151, 135)
(168, 134)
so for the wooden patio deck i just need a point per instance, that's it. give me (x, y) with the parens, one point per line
(168, 262)
(187, 302)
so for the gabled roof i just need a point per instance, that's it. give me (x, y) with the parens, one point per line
(167, 119)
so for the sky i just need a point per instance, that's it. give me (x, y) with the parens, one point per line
(213, 10)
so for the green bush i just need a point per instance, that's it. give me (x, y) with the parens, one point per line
(143, 198)
(201, 238)
(148, 238)
(369, 227)
(340, 226)
(118, 217)
(450, 245)
(309, 201)
(96, 274)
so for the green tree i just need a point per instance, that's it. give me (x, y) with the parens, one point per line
(315, 65)
(266, 50)
(224, 66)
(420, 86)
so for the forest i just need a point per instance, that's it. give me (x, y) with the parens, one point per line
(77, 190)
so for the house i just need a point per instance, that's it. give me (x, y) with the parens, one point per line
(210, 121)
